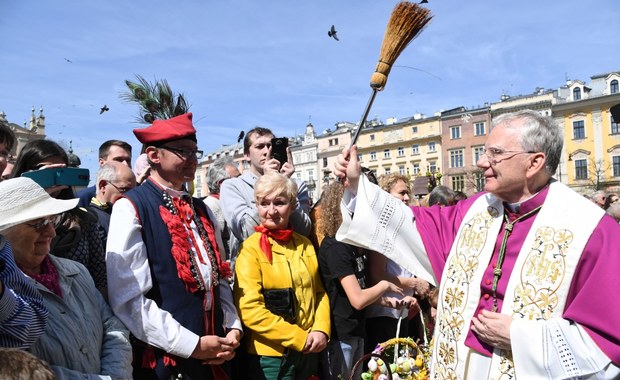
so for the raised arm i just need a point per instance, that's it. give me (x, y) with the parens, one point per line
(348, 168)
(239, 207)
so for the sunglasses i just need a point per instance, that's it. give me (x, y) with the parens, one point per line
(41, 225)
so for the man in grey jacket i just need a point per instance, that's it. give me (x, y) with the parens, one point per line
(237, 194)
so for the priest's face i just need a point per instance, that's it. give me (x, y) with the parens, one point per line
(505, 163)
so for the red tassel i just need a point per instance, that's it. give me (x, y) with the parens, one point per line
(148, 358)
(169, 361)
(180, 249)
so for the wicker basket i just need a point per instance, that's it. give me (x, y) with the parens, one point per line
(409, 365)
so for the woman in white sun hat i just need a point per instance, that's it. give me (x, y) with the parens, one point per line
(83, 338)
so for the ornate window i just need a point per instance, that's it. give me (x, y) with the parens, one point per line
(455, 132)
(579, 130)
(581, 169)
(479, 129)
(456, 158)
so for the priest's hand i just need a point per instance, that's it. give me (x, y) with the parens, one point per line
(348, 168)
(493, 328)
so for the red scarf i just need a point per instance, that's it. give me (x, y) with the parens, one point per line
(284, 235)
(48, 276)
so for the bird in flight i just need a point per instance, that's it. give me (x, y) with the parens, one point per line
(332, 33)
(68, 60)
(103, 109)
(424, 2)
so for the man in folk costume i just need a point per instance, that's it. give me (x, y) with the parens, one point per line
(528, 269)
(168, 283)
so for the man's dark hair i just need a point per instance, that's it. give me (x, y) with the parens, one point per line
(7, 135)
(441, 195)
(258, 131)
(104, 149)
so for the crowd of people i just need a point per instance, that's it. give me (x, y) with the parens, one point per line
(136, 278)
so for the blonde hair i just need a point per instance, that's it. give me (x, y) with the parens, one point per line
(275, 183)
(387, 181)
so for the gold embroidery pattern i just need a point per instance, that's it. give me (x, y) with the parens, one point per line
(460, 270)
(506, 366)
(535, 298)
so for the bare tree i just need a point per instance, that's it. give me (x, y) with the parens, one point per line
(597, 170)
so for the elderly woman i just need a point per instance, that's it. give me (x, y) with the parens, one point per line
(382, 322)
(83, 339)
(278, 289)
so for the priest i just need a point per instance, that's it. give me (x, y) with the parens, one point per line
(527, 269)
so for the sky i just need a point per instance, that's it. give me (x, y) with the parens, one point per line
(243, 63)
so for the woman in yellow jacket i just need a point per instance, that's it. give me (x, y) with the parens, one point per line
(278, 289)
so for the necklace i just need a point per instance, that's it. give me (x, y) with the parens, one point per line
(183, 209)
(497, 271)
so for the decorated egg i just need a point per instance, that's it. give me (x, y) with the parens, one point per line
(406, 366)
(383, 368)
(372, 365)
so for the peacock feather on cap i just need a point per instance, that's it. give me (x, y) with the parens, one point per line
(156, 100)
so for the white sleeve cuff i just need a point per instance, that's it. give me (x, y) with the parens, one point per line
(555, 349)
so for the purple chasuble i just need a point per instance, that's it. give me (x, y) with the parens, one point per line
(592, 300)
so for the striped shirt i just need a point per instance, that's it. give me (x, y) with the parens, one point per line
(23, 315)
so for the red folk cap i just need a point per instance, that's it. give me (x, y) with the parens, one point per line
(176, 128)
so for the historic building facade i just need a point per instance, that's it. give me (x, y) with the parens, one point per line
(591, 154)
(33, 130)
(304, 151)
(446, 146)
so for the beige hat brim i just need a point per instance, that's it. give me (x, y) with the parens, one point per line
(40, 209)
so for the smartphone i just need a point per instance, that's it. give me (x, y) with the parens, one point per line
(278, 149)
(59, 176)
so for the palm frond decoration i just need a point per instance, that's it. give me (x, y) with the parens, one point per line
(156, 100)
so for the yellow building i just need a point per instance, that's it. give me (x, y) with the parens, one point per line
(410, 147)
(591, 157)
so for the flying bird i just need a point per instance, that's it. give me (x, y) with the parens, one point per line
(332, 33)
(241, 134)
(424, 2)
(103, 109)
(68, 60)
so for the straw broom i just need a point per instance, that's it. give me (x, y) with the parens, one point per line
(406, 22)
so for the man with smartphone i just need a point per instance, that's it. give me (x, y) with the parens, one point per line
(264, 153)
